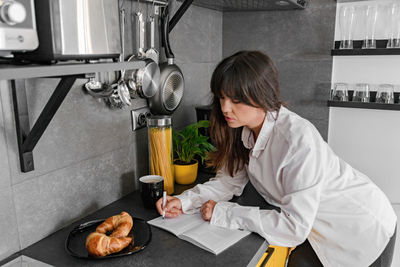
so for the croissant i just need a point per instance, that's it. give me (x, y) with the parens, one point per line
(99, 245)
(120, 225)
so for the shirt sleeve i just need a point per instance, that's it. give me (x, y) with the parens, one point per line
(301, 183)
(220, 188)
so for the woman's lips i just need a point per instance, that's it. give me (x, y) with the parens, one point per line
(228, 119)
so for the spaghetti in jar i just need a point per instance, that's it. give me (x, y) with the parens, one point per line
(160, 150)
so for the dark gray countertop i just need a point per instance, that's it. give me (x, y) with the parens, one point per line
(164, 248)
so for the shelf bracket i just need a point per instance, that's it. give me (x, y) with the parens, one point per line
(179, 13)
(27, 138)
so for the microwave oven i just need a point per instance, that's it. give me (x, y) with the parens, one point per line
(76, 30)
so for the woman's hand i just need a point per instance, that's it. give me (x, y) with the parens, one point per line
(207, 209)
(173, 207)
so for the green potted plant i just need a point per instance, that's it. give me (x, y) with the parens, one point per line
(187, 144)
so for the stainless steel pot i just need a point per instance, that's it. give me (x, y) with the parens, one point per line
(144, 81)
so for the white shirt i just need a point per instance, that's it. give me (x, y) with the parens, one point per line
(346, 218)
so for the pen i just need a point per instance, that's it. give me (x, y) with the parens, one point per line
(163, 203)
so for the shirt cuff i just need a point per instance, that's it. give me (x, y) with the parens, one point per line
(222, 215)
(233, 216)
(187, 205)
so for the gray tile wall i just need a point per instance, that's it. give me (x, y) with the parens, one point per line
(9, 241)
(88, 156)
(299, 41)
(5, 178)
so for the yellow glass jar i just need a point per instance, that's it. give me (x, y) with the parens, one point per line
(160, 150)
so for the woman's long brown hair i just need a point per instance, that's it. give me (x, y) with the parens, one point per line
(251, 78)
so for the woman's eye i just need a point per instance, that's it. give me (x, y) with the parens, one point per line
(235, 101)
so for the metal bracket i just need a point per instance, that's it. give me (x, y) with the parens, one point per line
(179, 13)
(27, 138)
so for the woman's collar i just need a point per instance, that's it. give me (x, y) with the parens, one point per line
(263, 137)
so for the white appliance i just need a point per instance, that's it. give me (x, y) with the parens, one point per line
(17, 26)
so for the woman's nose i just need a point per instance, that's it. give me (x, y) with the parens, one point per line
(225, 105)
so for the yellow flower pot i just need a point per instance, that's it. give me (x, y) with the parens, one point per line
(185, 174)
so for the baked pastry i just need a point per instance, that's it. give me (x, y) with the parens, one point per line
(99, 244)
(120, 225)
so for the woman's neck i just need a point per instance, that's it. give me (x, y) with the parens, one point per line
(257, 129)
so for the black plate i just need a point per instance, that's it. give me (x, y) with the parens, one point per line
(76, 240)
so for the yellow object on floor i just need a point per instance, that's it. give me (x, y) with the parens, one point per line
(274, 257)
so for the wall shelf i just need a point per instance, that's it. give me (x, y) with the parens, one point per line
(28, 137)
(349, 104)
(15, 72)
(358, 51)
(250, 5)
(366, 105)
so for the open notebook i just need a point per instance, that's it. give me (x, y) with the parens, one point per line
(192, 228)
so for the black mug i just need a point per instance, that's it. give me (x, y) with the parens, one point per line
(151, 190)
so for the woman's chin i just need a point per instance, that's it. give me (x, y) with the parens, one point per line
(232, 124)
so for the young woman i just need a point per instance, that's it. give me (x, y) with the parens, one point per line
(333, 214)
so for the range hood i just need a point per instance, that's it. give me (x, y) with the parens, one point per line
(250, 5)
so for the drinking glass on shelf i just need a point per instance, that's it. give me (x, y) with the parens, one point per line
(394, 26)
(385, 94)
(346, 21)
(359, 22)
(371, 17)
(361, 92)
(339, 92)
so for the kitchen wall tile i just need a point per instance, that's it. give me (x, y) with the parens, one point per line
(5, 178)
(190, 38)
(52, 201)
(299, 42)
(305, 87)
(198, 35)
(215, 35)
(9, 241)
(83, 127)
(140, 155)
(197, 93)
(281, 34)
